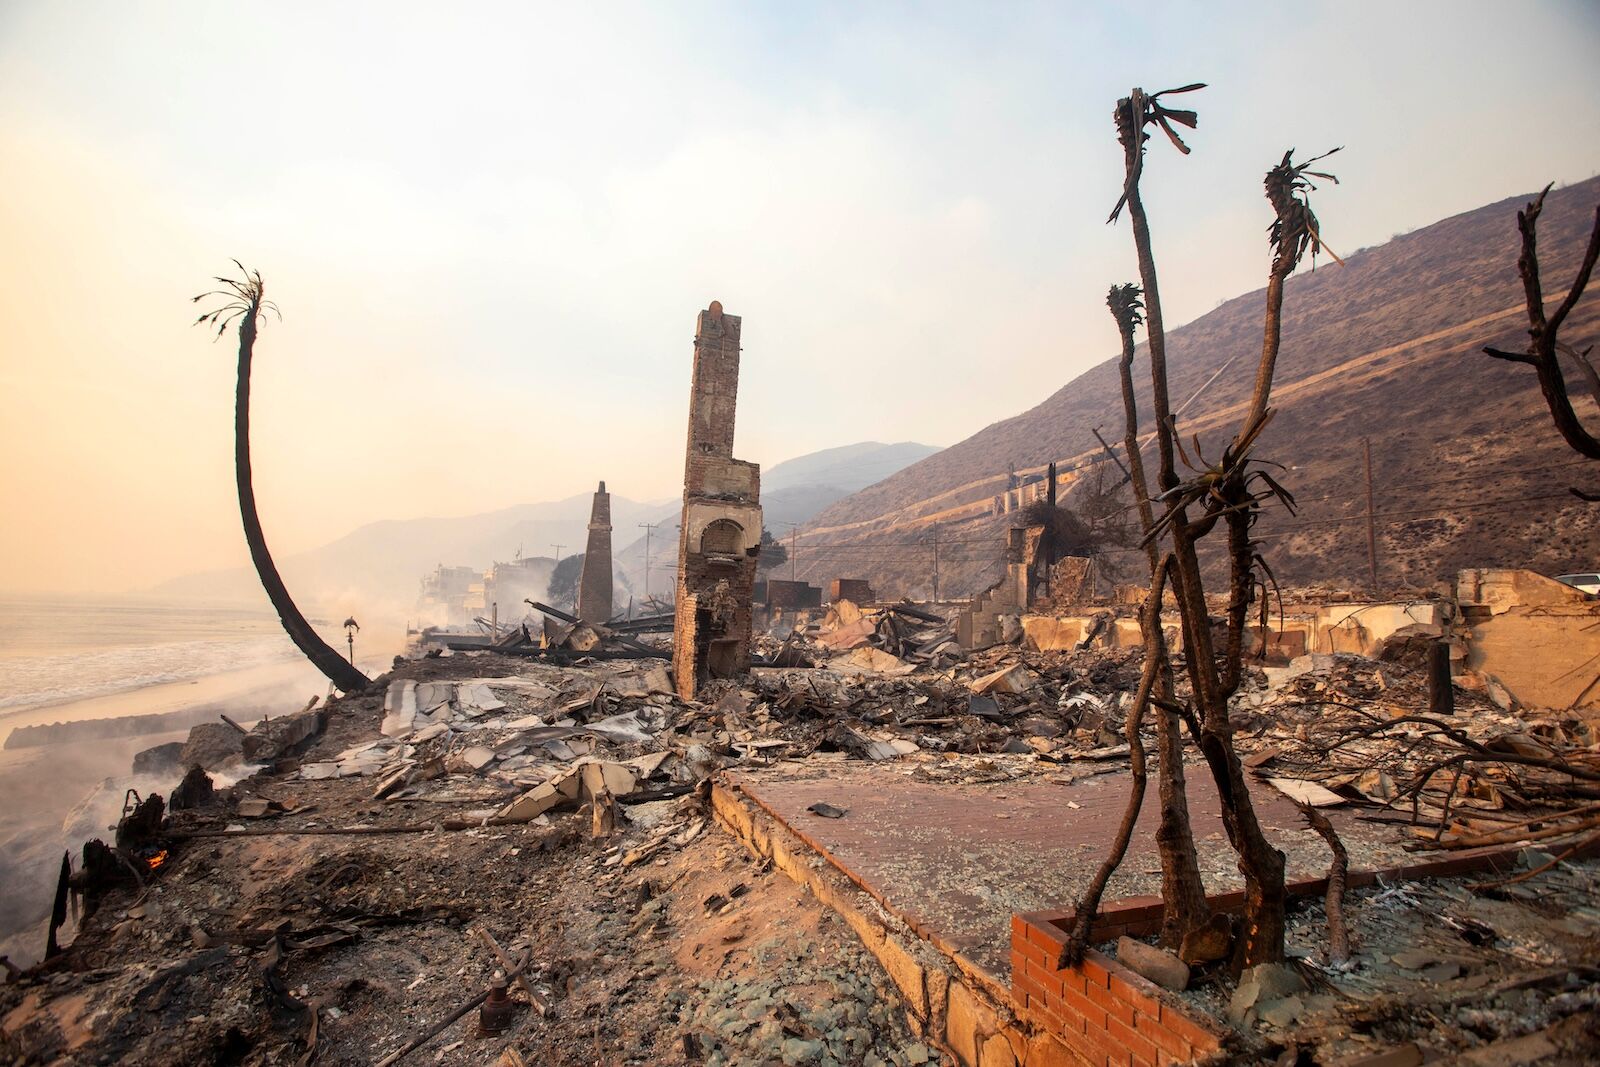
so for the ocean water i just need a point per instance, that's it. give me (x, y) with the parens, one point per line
(56, 650)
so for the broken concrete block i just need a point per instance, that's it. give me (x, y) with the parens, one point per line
(1376, 785)
(479, 696)
(649, 763)
(582, 638)
(891, 748)
(273, 739)
(211, 745)
(599, 776)
(1282, 1013)
(630, 686)
(701, 762)
(625, 728)
(477, 757)
(1306, 792)
(160, 759)
(1014, 679)
(1260, 984)
(434, 695)
(399, 708)
(1156, 964)
(532, 804)
(876, 659)
(1047, 633)
(659, 679)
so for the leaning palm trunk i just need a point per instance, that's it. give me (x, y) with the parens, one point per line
(246, 304)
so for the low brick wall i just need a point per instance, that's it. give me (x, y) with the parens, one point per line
(1108, 1014)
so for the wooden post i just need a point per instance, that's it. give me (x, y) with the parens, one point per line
(1441, 696)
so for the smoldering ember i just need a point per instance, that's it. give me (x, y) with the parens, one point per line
(1240, 703)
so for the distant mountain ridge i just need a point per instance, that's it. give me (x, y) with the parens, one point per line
(1468, 469)
(381, 563)
(848, 467)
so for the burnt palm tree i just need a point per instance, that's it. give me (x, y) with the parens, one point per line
(1232, 493)
(243, 301)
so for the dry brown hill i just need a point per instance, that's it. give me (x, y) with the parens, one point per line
(1467, 468)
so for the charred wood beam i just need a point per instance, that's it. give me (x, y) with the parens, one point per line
(554, 613)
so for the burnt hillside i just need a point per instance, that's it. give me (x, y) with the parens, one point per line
(1467, 467)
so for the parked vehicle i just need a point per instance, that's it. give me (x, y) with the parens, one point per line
(1588, 583)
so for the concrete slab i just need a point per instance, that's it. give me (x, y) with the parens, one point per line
(957, 859)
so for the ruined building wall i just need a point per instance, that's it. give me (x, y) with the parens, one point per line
(596, 592)
(720, 536)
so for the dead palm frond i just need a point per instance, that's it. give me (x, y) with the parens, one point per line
(242, 296)
(1235, 483)
(1138, 110)
(1294, 229)
(1127, 306)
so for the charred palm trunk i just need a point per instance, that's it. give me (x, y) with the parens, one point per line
(1182, 892)
(341, 673)
(1154, 660)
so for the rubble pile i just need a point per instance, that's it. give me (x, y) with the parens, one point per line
(894, 636)
(1494, 974)
(527, 825)
(1332, 727)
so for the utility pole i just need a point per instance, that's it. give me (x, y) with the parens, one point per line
(936, 563)
(794, 546)
(1372, 532)
(558, 549)
(647, 526)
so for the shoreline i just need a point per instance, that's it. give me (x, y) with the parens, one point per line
(260, 683)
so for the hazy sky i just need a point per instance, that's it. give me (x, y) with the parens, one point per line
(490, 228)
